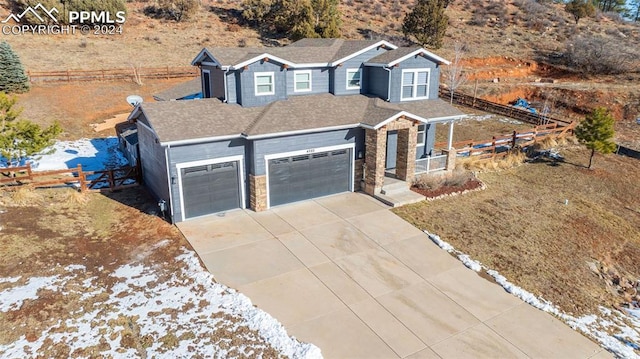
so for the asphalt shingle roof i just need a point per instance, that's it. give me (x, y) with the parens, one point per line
(392, 55)
(207, 118)
(301, 52)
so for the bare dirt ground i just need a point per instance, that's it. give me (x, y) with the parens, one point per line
(51, 233)
(76, 105)
(521, 226)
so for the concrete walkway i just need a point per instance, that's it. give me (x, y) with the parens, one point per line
(349, 276)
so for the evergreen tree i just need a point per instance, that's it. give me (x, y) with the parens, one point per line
(596, 132)
(21, 138)
(580, 9)
(427, 22)
(12, 76)
(295, 18)
(328, 19)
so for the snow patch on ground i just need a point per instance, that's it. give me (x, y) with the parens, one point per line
(182, 304)
(616, 331)
(12, 298)
(93, 154)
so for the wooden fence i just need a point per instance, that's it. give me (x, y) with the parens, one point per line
(499, 146)
(112, 179)
(505, 110)
(133, 73)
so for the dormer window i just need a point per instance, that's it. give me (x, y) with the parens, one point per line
(353, 79)
(415, 84)
(264, 82)
(302, 81)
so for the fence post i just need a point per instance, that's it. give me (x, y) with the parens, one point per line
(68, 75)
(167, 72)
(514, 139)
(112, 183)
(29, 171)
(83, 179)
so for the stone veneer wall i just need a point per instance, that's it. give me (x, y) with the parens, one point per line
(258, 192)
(357, 174)
(375, 147)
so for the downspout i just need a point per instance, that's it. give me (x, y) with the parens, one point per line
(388, 83)
(166, 161)
(226, 89)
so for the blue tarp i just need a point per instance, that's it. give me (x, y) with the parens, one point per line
(524, 104)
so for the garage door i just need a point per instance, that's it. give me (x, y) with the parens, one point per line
(210, 188)
(306, 176)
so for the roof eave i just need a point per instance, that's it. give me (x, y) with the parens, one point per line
(193, 141)
(427, 53)
(300, 132)
(260, 57)
(198, 59)
(377, 44)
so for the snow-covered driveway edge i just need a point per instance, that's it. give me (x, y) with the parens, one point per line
(595, 326)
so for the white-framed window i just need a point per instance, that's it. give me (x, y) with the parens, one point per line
(422, 131)
(302, 81)
(354, 79)
(415, 84)
(264, 82)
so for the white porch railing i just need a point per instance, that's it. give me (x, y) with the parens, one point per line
(431, 164)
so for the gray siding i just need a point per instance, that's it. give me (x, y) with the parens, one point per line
(340, 73)
(247, 97)
(303, 142)
(197, 152)
(414, 63)
(424, 151)
(377, 80)
(154, 167)
(217, 84)
(319, 81)
(232, 86)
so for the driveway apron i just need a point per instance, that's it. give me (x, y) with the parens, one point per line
(346, 274)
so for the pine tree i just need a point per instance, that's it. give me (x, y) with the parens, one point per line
(427, 22)
(296, 18)
(328, 19)
(580, 9)
(596, 132)
(12, 76)
(21, 138)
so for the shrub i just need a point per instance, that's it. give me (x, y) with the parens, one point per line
(594, 55)
(178, 10)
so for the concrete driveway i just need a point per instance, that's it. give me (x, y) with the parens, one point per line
(349, 276)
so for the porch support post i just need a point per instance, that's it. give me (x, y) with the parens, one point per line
(375, 154)
(450, 144)
(406, 157)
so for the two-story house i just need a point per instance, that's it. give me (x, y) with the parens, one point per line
(280, 125)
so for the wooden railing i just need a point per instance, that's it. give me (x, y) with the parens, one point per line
(112, 179)
(500, 145)
(113, 74)
(505, 110)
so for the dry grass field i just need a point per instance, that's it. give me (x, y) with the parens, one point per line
(93, 275)
(521, 226)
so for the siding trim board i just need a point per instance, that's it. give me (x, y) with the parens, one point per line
(241, 178)
(350, 146)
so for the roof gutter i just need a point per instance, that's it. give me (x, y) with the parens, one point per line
(200, 140)
(388, 83)
(226, 89)
(300, 132)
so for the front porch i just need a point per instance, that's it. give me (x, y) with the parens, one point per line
(391, 160)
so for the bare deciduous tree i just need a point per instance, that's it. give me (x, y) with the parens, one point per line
(454, 74)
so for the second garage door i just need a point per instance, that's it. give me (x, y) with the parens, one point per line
(296, 178)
